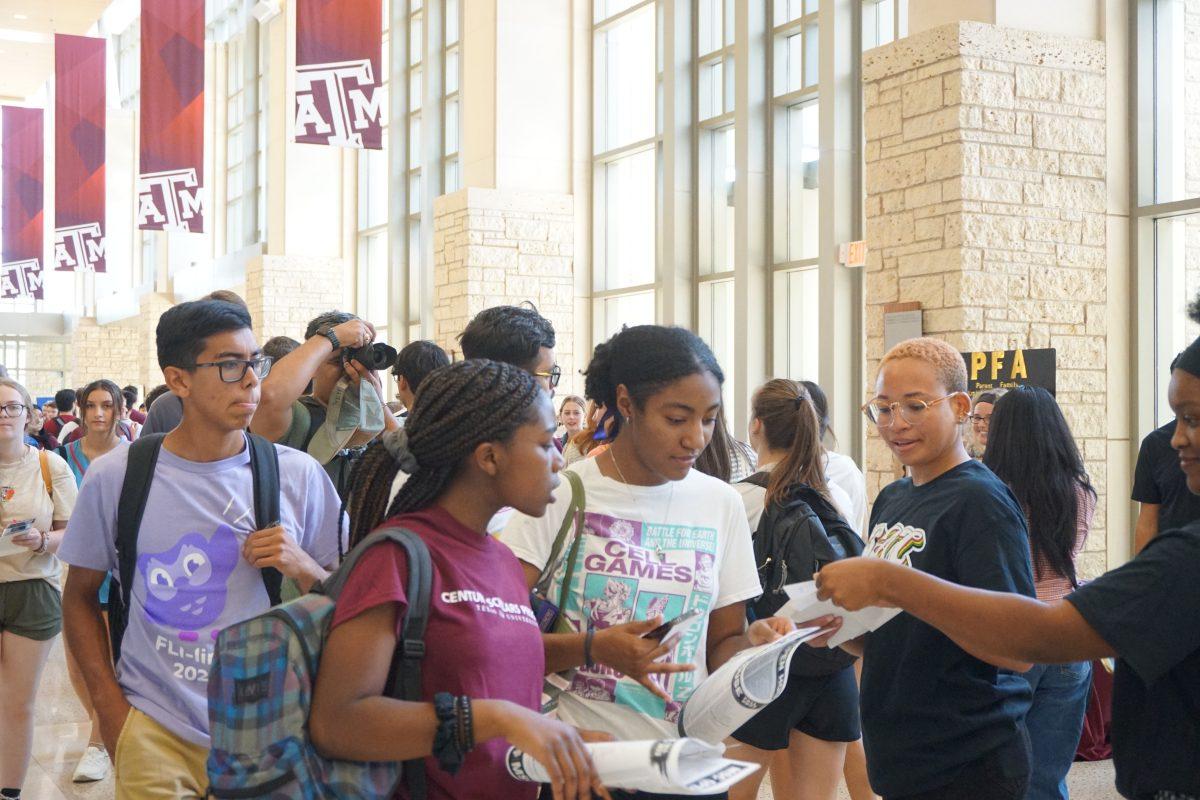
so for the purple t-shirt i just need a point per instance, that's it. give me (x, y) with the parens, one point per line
(483, 640)
(191, 579)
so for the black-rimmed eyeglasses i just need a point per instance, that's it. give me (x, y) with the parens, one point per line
(233, 370)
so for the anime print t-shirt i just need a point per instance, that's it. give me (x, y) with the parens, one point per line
(191, 579)
(647, 551)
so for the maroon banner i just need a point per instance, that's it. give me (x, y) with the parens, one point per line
(22, 166)
(339, 58)
(171, 165)
(79, 106)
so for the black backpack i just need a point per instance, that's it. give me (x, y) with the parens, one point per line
(139, 473)
(795, 538)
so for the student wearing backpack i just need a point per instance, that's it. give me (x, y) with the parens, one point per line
(817, 714)
(939, 721)
(209, 521)
(659, 538)
(34, 485)
(100, 410)
(481, 678)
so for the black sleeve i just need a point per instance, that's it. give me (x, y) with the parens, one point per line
(1145, 488)
(993, 545)
(1147, 610)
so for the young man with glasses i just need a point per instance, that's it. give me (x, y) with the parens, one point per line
(941, 723)
(516, 335)
(200, 553)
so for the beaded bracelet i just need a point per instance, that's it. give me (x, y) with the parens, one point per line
(445, 742)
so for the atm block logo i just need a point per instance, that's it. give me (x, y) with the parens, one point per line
(170, 201)
(339, 56)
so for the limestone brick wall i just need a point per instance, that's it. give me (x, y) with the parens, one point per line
(493, 247)
(285, 292)
(112, 351)
(985, 181)
(46, 368)
(152, 307)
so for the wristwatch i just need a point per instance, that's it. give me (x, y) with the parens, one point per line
(328, 333)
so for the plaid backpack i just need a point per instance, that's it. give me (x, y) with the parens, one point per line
(260, 692)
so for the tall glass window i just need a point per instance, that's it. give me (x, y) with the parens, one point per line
(374, 268)
(795, 186)
(625, 163)
(1167, 223)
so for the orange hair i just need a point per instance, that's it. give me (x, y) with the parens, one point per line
(947, 362)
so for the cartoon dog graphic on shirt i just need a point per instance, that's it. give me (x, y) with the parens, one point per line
(186, 585)
(897, 543)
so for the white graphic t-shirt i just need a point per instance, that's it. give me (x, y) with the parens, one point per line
(647, 551)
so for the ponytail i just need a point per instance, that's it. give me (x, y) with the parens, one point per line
(791, 424)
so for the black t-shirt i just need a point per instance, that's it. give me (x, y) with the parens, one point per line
(1149, 611)
(928, 708)
(1158, 479)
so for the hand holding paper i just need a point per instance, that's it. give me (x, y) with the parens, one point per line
(804, 606)
(742, 687)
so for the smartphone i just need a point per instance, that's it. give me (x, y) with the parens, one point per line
(17, 526)
(661, 631)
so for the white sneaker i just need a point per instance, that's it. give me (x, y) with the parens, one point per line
(93, 765)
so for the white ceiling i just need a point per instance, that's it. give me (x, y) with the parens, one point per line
(27, 44)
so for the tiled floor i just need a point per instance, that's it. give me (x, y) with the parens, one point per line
(62, 732)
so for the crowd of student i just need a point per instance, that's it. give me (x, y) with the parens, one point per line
(257, 468)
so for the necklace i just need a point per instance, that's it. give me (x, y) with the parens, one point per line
(662, 556)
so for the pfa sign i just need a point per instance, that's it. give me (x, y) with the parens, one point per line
(1008, 369)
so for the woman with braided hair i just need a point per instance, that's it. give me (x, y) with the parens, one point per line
(484, 662)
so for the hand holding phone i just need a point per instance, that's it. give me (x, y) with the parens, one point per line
(17, 526)
(662, 632)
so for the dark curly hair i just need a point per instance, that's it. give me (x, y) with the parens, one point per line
(645, 359)
(509, 334)
(443, 428)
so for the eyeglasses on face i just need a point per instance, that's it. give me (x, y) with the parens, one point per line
(233, 370)
(553, 376)
(12, 409)
(980, 419)
(912, 411)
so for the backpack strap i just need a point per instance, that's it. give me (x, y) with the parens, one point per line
(143, 456)
(46, 479)
(264, 468)
(404, 676)
(761, 478)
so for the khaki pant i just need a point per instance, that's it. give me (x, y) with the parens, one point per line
(151, 762)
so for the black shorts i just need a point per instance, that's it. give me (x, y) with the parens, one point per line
(824, 708)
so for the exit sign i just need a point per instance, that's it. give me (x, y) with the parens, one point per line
(853, 254)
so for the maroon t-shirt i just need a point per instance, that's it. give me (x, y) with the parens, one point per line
(482, 639)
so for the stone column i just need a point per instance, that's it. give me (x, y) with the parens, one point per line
(986, 200)
(494, 247)
(152, 307)
(285, 292)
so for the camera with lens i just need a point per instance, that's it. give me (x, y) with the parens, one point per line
(375, 356)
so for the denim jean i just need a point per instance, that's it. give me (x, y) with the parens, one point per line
(1055, 721)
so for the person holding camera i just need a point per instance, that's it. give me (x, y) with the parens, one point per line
(341, 361)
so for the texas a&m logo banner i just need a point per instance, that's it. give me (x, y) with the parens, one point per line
(23, 213)
(79, 105)
(339, 46)
(171, 166)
